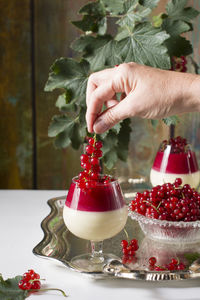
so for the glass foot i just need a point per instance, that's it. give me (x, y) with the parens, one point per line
(89, 263)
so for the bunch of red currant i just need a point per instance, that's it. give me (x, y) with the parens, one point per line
(173, 265)
(178, 145)
(129, 250)
(179, 64)
(90, 162)
(170, 202)
(30, 281)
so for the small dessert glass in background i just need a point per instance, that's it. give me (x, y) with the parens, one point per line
(175, 158)
(95, 214)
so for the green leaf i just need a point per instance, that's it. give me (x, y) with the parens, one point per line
(116, 128)
(149, 3)
(104, 56)
(94, 18)
(64, 105)
(154, 123)
(176, 10)
(133, 13)
(60, 123)
(191, 257)
(76, 139)
(94, 9)
(88, 44)
(173, 120)
(68, 74)
(123, 139)
(110, 141)
(157, 20)
(145, 46)
(9, 289)
(113, 6)
(110, 159)
(88, 23)
(174, 28)
(62, 140)
(178, 46)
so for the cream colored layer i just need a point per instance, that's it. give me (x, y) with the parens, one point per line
(96, 226)
(159, 178)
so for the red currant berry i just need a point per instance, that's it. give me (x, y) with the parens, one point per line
(98, 145)
(89, 149)
(98, 153)
(94, 161)
(36, 285)
(152, 261)
(84, 158)
(124, 243)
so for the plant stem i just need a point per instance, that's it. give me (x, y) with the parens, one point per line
(50, 289)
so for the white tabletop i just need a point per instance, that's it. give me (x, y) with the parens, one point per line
(21, 213)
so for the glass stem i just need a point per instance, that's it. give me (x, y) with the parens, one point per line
(97, 251)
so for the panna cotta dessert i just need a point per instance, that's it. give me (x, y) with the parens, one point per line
(95, 208)
(175, 159)
(96, 214)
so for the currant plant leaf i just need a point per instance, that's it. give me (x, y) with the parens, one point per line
(69, 74)
(93, 9)
(87, 44)
(136, 48)
(184, 46)
(173, 120)
(110, 158)
(113, 6)
(175, 29)
(60, 123)
(106, 55)
(64, 105)
(9, 289)
(124, 139)
(154, 123)
(176, 10)
(110, 141)
(149, 3)
(133, 12)
(94, 18)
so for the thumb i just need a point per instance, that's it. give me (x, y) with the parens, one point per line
(111, 116)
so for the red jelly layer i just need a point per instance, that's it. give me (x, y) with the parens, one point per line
(99, 199)
(178, 163)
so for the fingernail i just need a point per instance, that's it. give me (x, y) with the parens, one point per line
(100, 126)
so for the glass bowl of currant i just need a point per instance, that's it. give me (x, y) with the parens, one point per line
(95, 209)
(175, 159)
(168, 212)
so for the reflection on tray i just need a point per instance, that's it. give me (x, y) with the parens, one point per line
(60, 244)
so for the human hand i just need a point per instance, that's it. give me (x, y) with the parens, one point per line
(146, 92)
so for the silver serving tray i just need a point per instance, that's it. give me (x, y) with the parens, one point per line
(61, 245)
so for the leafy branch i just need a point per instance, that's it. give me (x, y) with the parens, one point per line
(140, 38)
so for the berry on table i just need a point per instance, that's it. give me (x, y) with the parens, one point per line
(31, 282)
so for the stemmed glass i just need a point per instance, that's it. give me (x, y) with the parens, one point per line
(95, 213)
(175, 159)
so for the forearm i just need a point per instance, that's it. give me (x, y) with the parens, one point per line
(186, 92)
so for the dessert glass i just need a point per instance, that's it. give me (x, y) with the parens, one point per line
(94, 214)
(173, 162)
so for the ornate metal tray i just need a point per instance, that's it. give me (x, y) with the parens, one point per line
(61, 245)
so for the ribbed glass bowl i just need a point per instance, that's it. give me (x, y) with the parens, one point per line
(168, 231)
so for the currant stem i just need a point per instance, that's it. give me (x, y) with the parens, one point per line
(152, 205)
(126, 233)
(50, 289)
